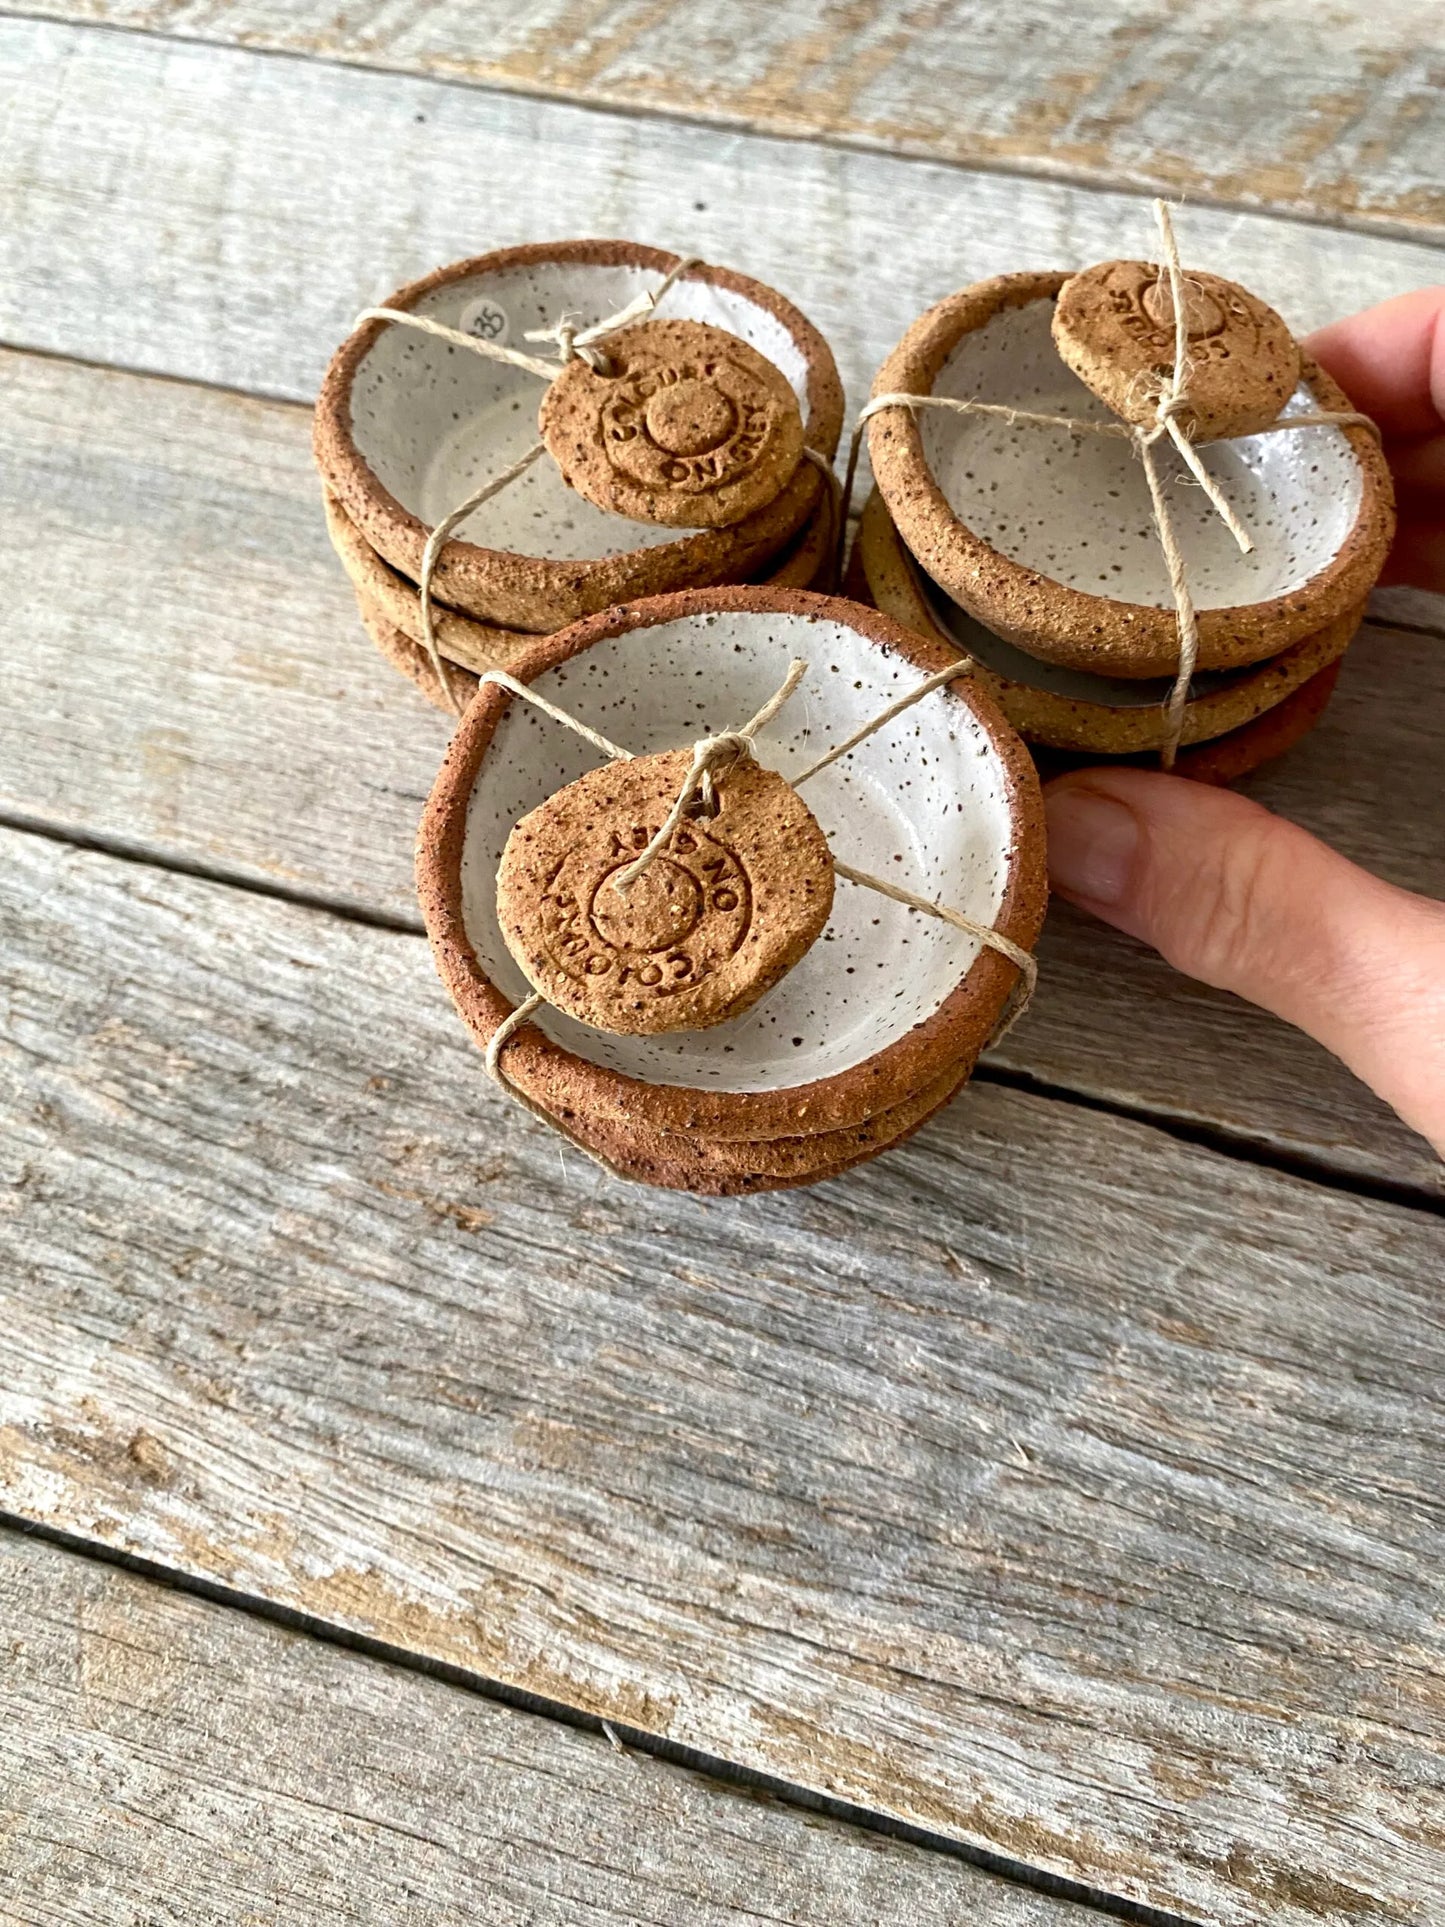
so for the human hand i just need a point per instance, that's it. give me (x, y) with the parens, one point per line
(1232, 894)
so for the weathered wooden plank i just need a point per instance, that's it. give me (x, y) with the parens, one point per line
(195, 682)
(166, 1759)
(1332, 111)
(1049, 1482)
(308, 190)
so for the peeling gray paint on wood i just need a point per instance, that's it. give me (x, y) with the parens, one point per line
(1050, 1483)
(1328, 111)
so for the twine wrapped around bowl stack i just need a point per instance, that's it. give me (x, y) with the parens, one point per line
(1147, 520)
(537, 434)
(735, 930)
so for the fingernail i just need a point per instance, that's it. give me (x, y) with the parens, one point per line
(1093, 841)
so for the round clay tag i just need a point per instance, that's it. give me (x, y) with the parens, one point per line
(691, 427)
(1114, 326)
(724, 910)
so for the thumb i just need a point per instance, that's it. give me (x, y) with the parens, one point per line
(1238, 897)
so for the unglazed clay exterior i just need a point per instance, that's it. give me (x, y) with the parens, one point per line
(477, 645)
(943, 801)
(408, 425)
(1047, 538)
(1070, 709)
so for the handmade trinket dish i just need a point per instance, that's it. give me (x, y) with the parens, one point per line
(386, 597)
(1069, 709)
(859, 1016)
(679, 448)
(1047, 533)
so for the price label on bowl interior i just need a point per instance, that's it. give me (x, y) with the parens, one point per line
(486, 319)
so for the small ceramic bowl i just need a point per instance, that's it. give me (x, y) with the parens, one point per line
(477, 645)
(1047, 537)
(1071, 709)
(1227, 759)
(407, 425)
(944, 801)
(719, 1167)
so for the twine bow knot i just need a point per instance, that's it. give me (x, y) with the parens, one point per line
(711, 756)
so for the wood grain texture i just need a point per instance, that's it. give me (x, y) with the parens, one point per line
(195, 683)
(166, 1759)
(308, 190)
(1335, 111)
(1049, 1482)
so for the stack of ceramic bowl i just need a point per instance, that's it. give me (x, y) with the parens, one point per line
(408, 425)
(1032, 551)
(880, 1020)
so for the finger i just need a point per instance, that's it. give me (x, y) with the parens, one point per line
(1390, 361)
(1236, 896)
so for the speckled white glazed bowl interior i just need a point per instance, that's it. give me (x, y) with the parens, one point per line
(433, 422)
(925, 802)
(1076, 508)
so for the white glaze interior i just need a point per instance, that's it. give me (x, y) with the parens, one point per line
(1076, 507)
(956, 625)
(433, 421)
(924, 802)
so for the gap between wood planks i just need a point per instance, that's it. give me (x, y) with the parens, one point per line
(1084, 180)
(1239, 1146)
(632, 1739)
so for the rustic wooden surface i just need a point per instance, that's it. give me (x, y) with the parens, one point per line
(245, 265)
(166, 1759)
(1049, 1483)
(1335, 111)
(1069, 1489)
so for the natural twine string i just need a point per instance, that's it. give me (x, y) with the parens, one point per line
(729, 747)
(710, 756)
(572, 344)
(1172, 403)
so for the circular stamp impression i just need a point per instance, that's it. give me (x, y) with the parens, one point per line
(1114, 326)
(725, 909)
(691, 427)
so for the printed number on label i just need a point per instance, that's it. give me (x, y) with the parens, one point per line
(485, 319)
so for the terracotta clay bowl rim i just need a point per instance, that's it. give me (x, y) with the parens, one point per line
(1228, 759)
(468, 642)
(761, 1163)
(655, 1168)
(538, 593)
(1080, 630)
(540, 1066)
(403, 652)
(1069, 722)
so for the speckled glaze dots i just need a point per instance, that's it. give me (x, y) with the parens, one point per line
(1069, 709)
